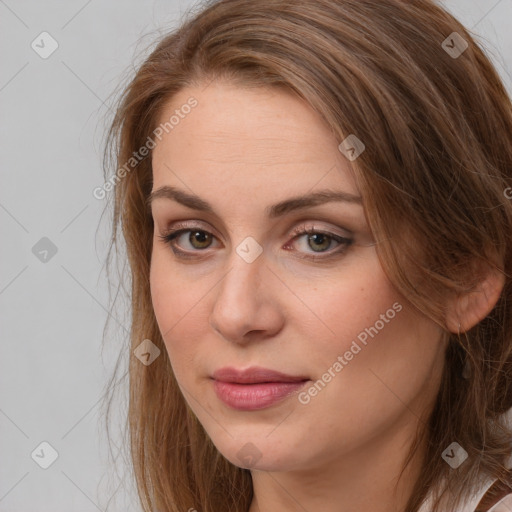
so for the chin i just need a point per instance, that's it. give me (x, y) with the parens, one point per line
(259, 452)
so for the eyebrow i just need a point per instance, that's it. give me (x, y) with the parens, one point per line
(277, 210)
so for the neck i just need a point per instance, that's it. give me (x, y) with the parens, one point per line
(366, 480)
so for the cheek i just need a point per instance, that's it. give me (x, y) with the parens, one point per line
(367, 331)
(371, 371)
(351, 302)
(176, 303)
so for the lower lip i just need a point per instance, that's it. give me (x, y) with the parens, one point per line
(251, 397)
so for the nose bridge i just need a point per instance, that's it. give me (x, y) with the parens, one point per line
(246, 263)
(242, 282)
(243, 302)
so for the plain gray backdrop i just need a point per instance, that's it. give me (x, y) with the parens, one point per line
(54, 108)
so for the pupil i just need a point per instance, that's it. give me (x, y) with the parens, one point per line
(201, 237)
(323, 237)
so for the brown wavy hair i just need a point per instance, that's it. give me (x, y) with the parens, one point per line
(434, 179)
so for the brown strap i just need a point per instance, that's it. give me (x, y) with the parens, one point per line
(495, 493)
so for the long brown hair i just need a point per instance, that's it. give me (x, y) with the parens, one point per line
(436, 122)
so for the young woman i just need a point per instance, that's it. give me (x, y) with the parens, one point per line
(317, 207)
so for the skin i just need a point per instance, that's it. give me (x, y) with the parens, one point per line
(243, 150)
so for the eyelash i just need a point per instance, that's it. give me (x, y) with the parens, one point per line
(169, 239)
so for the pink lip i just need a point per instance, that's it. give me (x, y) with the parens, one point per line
(253, 375)
(254, 388)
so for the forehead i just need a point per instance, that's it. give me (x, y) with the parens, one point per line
(247, 137)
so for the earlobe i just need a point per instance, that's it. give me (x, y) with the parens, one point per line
(467, 309)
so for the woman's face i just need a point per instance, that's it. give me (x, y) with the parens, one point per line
(244, 285)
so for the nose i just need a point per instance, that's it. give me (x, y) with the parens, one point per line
(246, 305)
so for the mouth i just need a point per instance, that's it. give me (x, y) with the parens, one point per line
(255, 375)
(255, 388)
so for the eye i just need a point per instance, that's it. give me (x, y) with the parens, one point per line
(320, 241)
(197, 239)
(314, 241)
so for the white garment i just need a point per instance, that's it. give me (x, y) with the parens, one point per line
(473, 499)
(470, 503)
(504, 505)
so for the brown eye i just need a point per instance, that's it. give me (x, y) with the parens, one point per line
(197, 239)
(320, 240)
(202, 238)
(311, 240)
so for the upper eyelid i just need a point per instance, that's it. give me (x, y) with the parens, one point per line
(189, 226)
(297, 233)
(299, 230)
(343, 244)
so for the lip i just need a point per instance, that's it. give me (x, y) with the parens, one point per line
(254, 375)
(254, 388)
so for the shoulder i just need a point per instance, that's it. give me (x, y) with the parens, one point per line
(498, 498)
(491, 496)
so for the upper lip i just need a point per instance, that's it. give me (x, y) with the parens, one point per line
(252, 375)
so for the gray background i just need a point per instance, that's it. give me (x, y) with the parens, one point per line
(53, 115)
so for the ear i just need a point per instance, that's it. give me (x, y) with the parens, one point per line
(469, 308)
